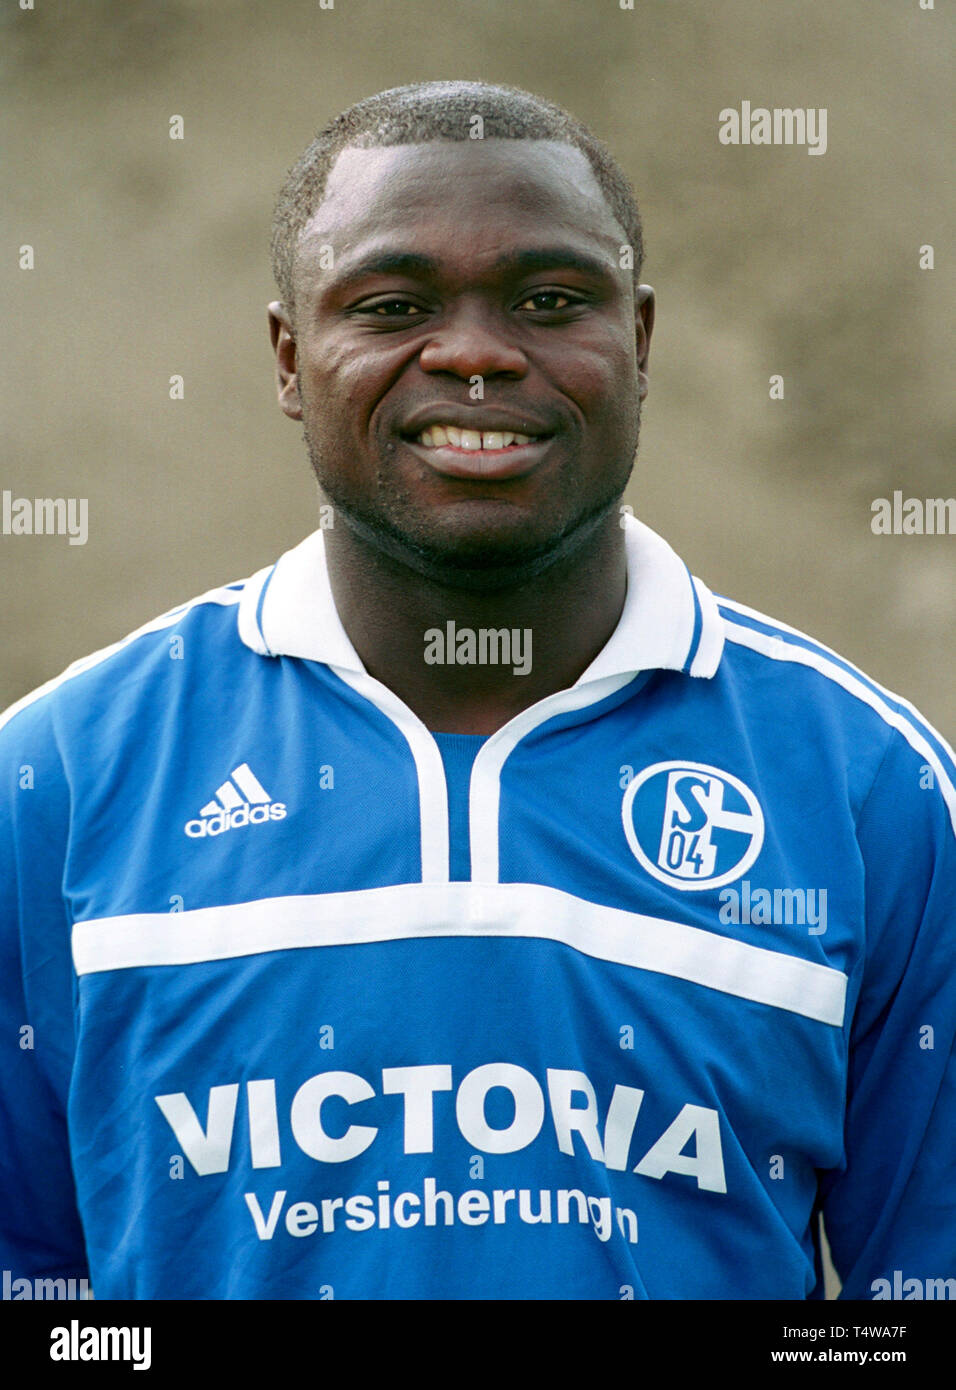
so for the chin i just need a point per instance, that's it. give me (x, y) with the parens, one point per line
(480, 558)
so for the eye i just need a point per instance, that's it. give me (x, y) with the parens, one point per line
(393, 308)
(548, 301)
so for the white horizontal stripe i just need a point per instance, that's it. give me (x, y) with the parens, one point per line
(411, 911)
(779, 650)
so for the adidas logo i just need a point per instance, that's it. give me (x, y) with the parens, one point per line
(241, 800)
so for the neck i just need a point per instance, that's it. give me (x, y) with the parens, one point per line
(423, 639)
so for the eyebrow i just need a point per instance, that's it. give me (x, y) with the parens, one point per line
(552, 257)
(527, 261)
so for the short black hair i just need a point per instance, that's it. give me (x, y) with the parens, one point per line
(424, 111)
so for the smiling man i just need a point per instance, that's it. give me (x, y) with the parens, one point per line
(470, 905)
(469, 372)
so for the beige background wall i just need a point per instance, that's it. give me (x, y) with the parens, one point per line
(151, 259)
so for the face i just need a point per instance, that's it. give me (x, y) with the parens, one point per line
(469, 356)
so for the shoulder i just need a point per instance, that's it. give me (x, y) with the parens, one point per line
(802, 679)
(209, 619)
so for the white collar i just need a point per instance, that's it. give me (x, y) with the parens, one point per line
(670, 621)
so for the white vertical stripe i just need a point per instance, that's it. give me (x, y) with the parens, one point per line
(299, 618)
(432, 789)
(711, 645)
(484, 801)
(247, 618)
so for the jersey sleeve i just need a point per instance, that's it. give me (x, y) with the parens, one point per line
(40, 1230)
(892, 1206)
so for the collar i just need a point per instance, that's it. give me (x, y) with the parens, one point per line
(670, 620)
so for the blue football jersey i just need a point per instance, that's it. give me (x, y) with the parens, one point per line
(303, 1000)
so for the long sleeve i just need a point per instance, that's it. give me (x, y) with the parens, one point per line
(40, 1230)
(890, 1213)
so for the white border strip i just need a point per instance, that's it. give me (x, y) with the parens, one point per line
(780, 650)
(432, 787)
(824, 650)
(224, 596)
(418, 911)
(484, 797)
(711, 645)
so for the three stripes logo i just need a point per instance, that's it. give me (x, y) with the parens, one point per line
(241, 800)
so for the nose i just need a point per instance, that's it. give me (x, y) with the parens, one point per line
(471, 341)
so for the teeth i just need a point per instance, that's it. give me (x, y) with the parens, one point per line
(435, 436)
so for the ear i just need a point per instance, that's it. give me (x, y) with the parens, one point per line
(283, 343)
(644, 319)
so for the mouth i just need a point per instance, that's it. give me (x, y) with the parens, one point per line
(493, 454)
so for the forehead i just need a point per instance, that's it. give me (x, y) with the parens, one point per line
(486, 192)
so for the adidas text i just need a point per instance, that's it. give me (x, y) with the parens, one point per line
(232, 820)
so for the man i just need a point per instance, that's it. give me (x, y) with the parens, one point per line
(470, 905)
